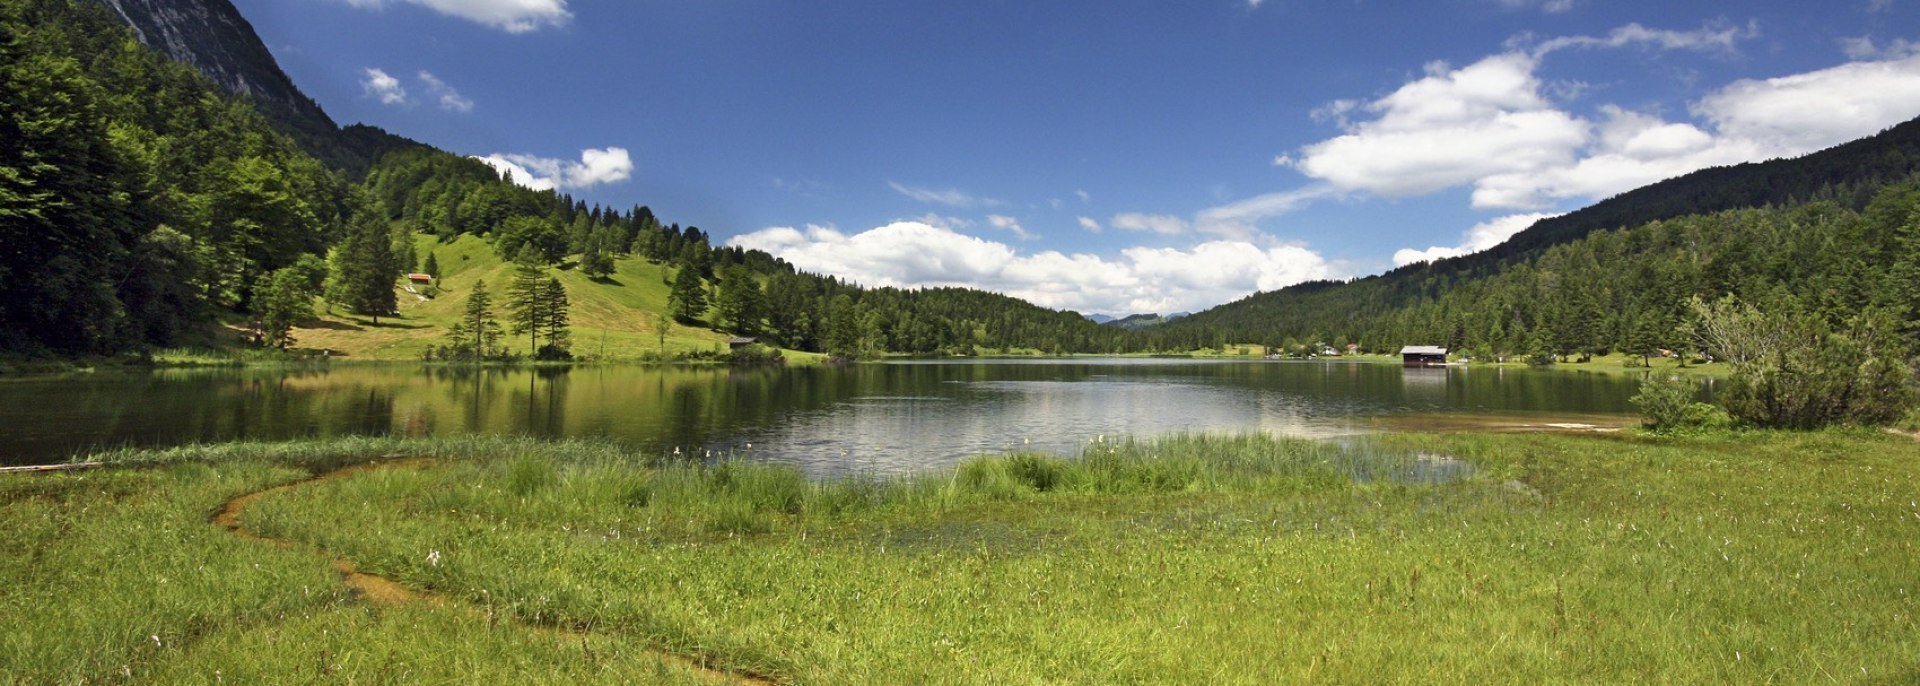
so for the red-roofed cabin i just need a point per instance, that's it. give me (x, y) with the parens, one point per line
(420, 278)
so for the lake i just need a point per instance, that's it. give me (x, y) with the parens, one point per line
(879, 418)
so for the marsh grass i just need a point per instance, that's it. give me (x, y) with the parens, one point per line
(1733, 557)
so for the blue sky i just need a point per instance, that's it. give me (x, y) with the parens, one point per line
(1114, 157)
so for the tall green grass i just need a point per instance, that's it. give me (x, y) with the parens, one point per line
(1754, 557)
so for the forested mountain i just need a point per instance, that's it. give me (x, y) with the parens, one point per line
(133, 195)
(213, 38)
(1135, 322)
(1626, 290)
(140, 200)
(1576, 257)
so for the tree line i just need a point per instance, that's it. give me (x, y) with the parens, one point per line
(1625, 290)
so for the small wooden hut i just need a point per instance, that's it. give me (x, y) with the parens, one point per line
(1423, 356)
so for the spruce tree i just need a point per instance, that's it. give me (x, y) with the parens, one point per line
(688, 300)
(524, 297)
(362, 265)
(596, 260)
(282, 299)
(740, 300)
(476, 333)
(554, 320)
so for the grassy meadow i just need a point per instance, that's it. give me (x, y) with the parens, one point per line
(1752, 557)
(612, 318)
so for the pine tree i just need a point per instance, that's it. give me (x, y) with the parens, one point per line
(740, 302)
(476, 334)
(361, 268)
(431, 267)
(554, 320)
(284, 298)
(406, 258)
(596, 261)
(524, 297)
(688, 299)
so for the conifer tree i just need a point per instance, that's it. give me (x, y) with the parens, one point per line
(740, 301)
(554, 320)
(361, 268)
(688, 300)
(284, 298)
(524, 297)
(476, 334)
(596, 260)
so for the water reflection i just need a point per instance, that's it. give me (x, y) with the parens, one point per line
(870, 418)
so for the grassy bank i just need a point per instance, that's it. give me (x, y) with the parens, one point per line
(1745, 558)
(613, 318)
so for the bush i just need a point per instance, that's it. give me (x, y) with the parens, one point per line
(1666, 404)
(756, 355)
(1796, 370)
(1663, 401)
(1912, 421)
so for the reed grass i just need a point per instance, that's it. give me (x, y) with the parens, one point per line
(1733, 557)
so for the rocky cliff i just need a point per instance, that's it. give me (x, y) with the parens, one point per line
(214, 38)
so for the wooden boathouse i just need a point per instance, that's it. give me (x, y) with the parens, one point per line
(1423, 356)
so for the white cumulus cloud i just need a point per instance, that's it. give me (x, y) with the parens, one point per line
(512, 16)
(383, 87)
(1452, 127)
(911, 254)
(595, 167)
(1491, 126)
(1482, 236)
(1804, 112)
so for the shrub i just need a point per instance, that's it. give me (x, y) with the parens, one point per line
(1796, 370)
(756, 355)
(1663, 401)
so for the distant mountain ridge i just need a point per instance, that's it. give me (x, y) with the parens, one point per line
(1134, 322)
(1848, 173)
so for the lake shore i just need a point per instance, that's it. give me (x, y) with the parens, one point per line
(1615, 557)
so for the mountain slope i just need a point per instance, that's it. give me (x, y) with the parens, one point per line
(425, 190)
(1848, 174)
(213, 38)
